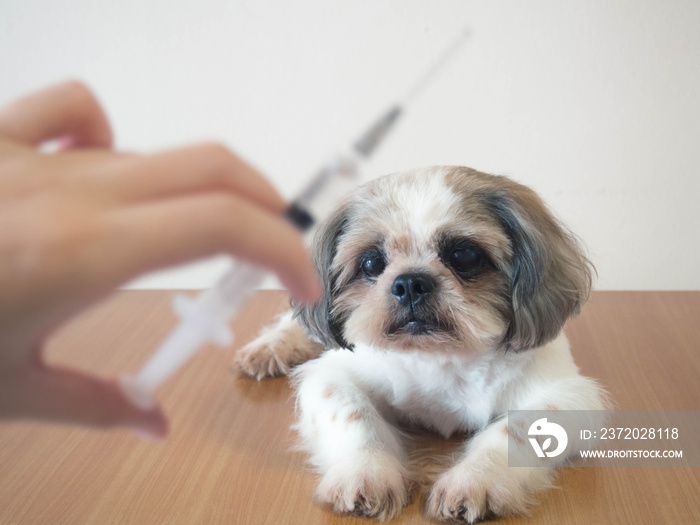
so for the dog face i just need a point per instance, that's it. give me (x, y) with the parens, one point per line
(444, 259)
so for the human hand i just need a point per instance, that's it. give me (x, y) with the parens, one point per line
(78, 223)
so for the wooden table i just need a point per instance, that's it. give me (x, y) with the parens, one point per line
(229, 459)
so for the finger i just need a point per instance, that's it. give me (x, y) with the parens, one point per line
(68, 110)
(144, 238)
(68, 396)
(200, 168)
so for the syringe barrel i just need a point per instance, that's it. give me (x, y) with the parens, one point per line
(172, 353)
(237, 285)
(328, 188)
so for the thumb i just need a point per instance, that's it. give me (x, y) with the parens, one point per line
(68, 396)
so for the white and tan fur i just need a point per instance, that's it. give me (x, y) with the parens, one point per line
(452, 354)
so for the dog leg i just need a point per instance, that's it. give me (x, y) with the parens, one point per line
(279, 348)
(481, 484)
(358, 452)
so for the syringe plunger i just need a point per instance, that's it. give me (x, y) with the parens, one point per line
(203, 319)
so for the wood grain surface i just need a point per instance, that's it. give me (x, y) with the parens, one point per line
(230, 459)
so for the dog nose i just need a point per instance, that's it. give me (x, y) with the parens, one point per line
(410, 288)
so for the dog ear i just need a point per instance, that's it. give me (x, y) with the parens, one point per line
(317, 319)
(550, 277)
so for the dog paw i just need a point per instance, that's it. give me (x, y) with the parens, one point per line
(371, 486)
(471, 495)
(276, 351)
(261, 359)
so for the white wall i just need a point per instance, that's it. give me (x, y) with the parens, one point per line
(595, 104)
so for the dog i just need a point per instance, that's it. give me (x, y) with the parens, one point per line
(445, 293)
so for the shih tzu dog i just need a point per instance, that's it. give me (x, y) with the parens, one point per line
(446, 291)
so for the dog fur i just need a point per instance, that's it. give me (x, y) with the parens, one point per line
(446, 291)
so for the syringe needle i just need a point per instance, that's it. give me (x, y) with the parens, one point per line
(369, 140)
(437, 65)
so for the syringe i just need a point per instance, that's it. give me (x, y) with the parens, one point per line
(205, 318)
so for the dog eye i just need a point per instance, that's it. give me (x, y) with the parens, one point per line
(465, 258)
(372, 263)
